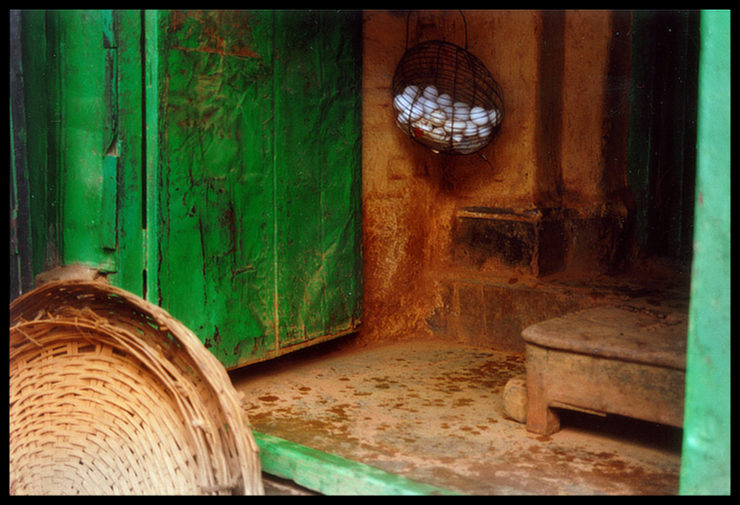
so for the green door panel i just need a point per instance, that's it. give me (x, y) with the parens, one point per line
(317, 153)
(215, 191)
(126, 146)
(258, 192)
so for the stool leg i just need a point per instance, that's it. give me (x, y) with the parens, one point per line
(541, 419)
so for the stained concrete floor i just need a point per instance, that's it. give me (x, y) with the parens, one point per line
(432, 411)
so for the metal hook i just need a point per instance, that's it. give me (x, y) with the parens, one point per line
(495, 172)
(483, 156)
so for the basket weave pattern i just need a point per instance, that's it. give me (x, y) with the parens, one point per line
(111, 395)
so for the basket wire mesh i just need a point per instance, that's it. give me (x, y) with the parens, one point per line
(445, 98)
(111, 395)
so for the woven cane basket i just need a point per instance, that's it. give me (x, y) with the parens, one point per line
(111, 395)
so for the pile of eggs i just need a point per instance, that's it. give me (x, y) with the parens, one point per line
(438, 121)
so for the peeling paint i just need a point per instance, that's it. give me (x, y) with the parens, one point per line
(260, 185)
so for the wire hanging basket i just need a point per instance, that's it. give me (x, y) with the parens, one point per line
(445, 98)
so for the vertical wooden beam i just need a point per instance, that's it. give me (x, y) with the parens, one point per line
(705, 458)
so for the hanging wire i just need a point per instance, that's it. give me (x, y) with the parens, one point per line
(466, 28)
(408, 17)
(465, 23)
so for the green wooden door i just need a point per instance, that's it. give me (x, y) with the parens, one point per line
(207, 161)
(254, 240)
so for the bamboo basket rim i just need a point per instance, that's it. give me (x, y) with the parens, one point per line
(100, 374)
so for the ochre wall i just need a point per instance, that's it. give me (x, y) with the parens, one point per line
(560, 153)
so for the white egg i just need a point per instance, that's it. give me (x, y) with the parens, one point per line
(457, 138)
(428, 104)
(402, 103)
(484, 131)
(444, 100)
(430, 92)
(454, 126)
(495, 116)
(479, 116)
(471, 129)
(411, 90)
(438, 117)
(416, 111)
(405, 105)
(462, 112)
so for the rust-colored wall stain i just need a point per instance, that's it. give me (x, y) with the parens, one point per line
(566, 111)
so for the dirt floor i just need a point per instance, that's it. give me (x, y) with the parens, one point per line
(432, 411)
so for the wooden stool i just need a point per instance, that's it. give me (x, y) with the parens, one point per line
(628, 360)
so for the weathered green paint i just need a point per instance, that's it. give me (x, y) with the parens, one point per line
(21, 273)
(215, 232)
(150, 177)
(127, 143)
(705, 458)
(39, 71)
(330, 474)
(208, 161)
(258, 187)
(317, 155)
(82, 68)
(82, 106)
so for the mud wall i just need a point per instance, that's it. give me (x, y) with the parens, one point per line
(450, 240)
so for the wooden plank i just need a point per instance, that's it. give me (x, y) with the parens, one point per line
(39, 73)
(333, 475)
(317, 167)
(215, 180)
(300, 165)
(127, 28)
(82, 107)
(21, 272)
